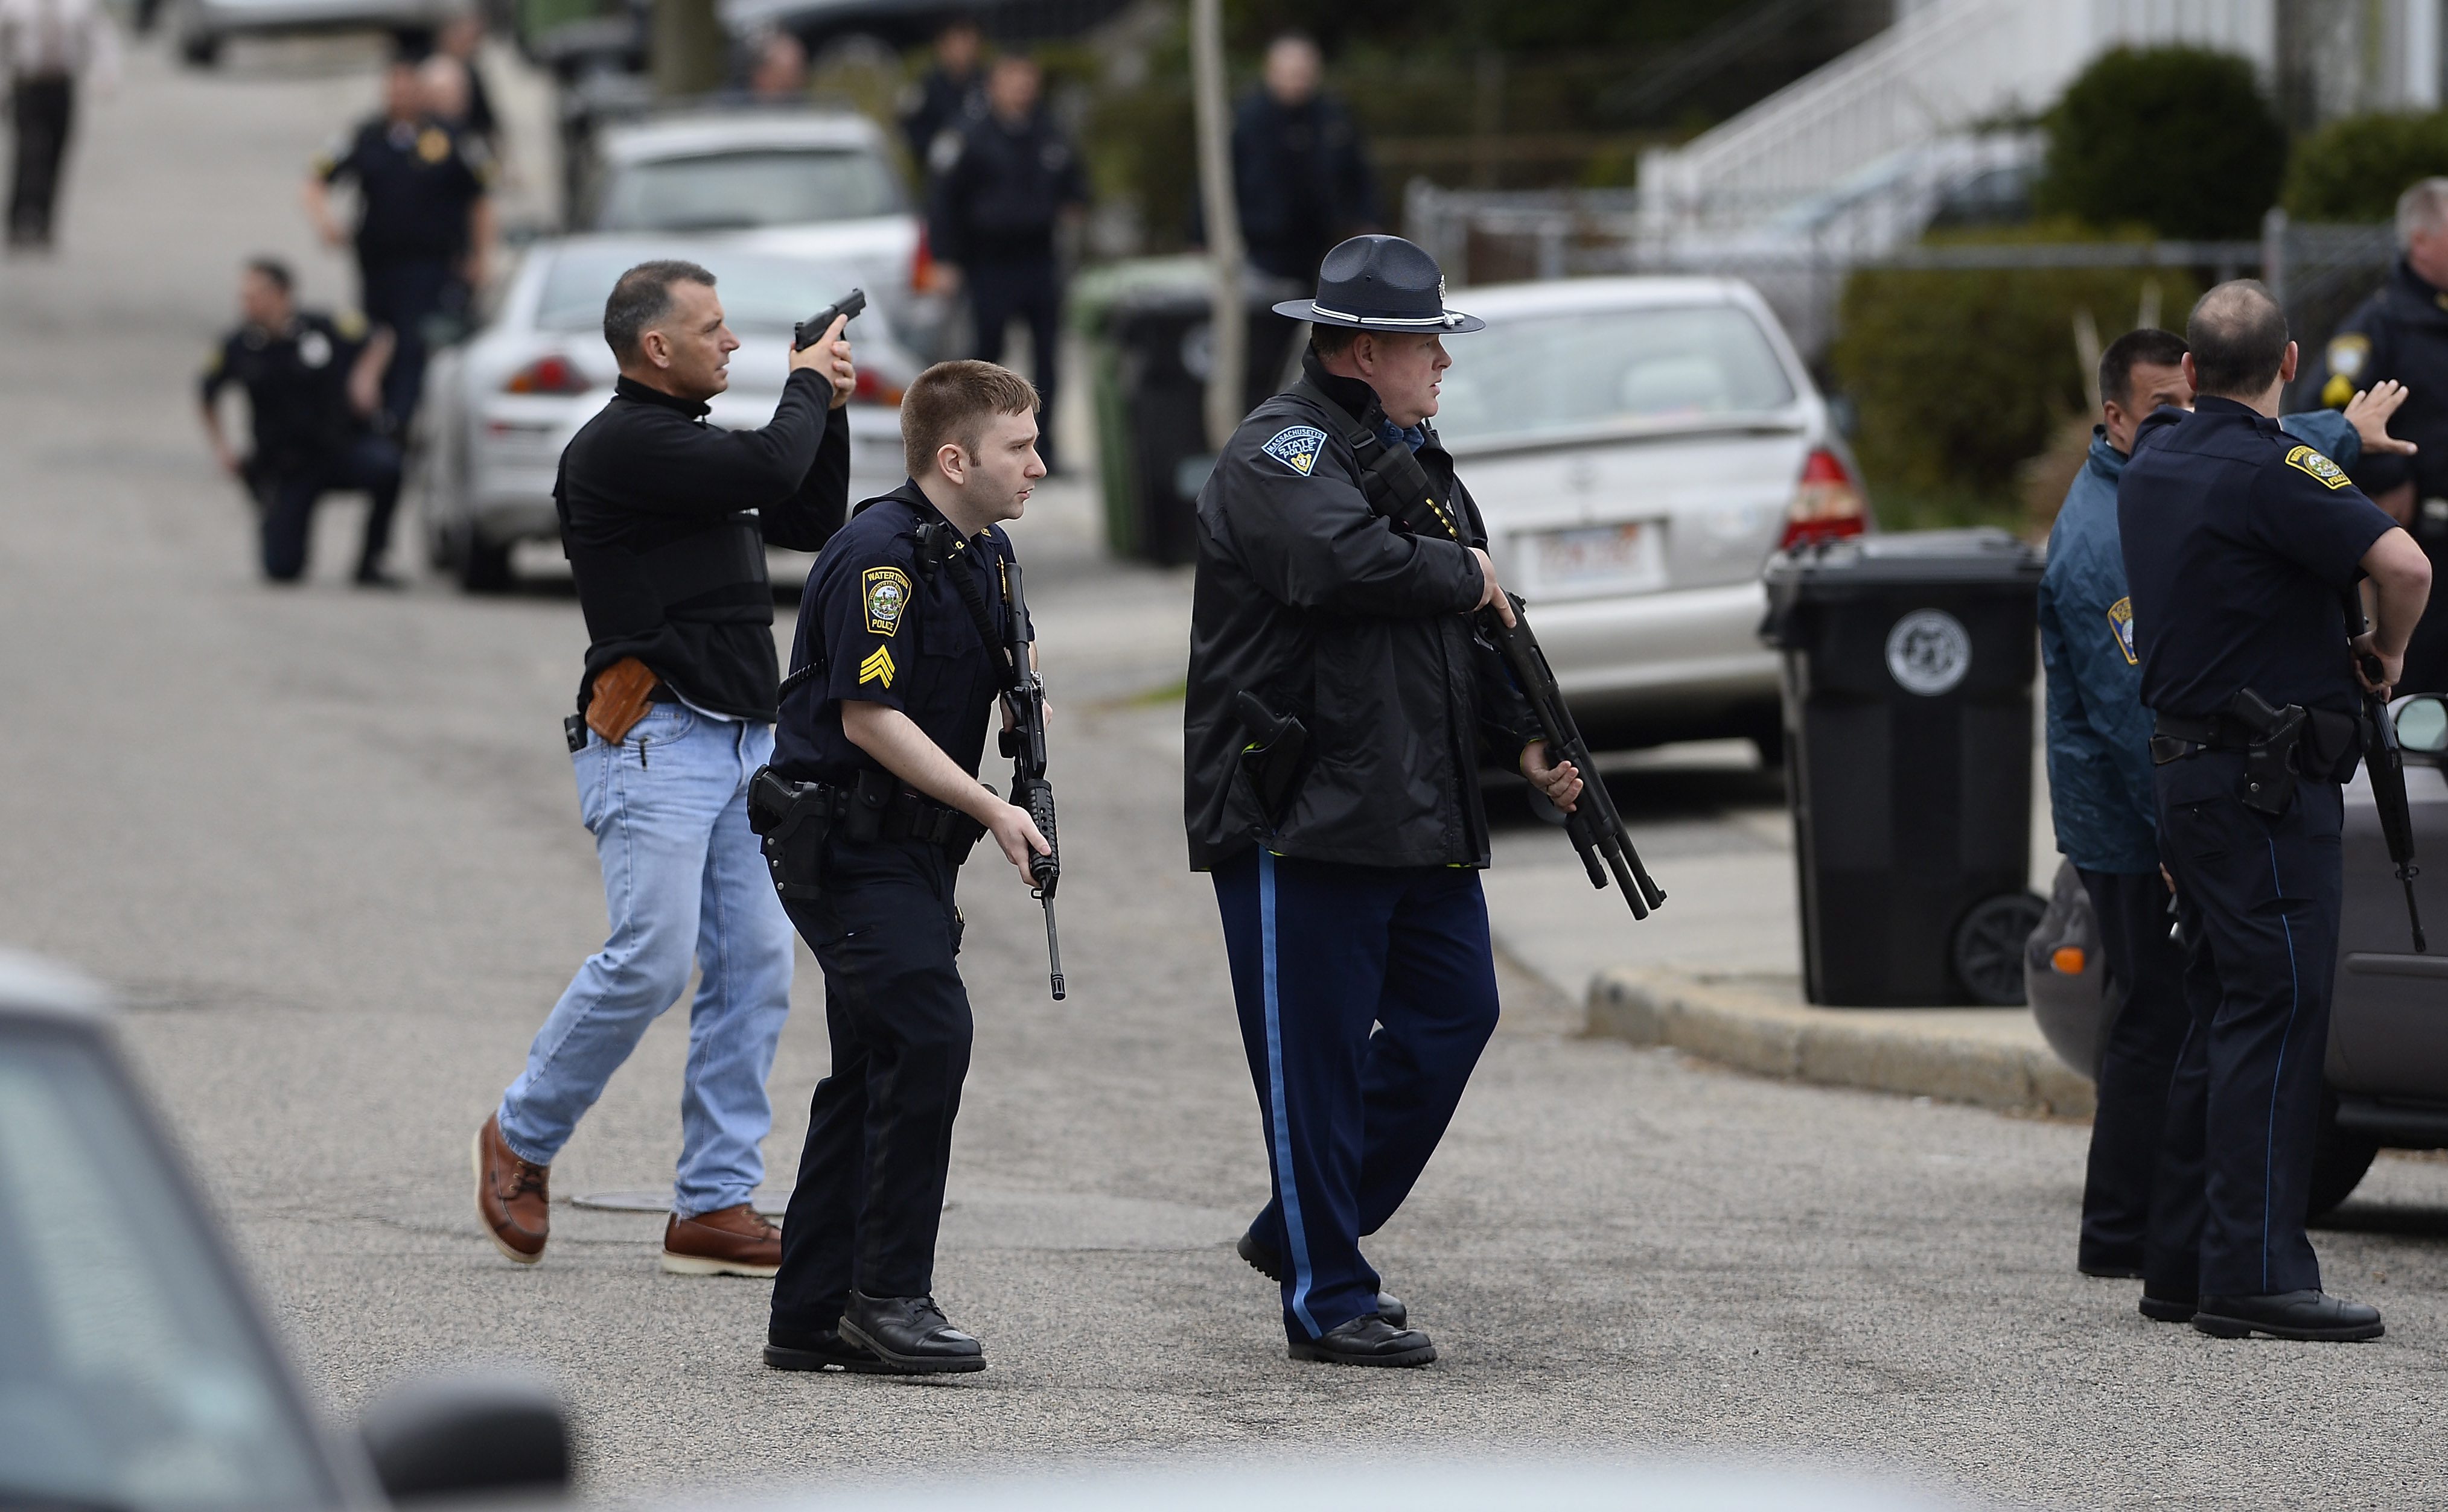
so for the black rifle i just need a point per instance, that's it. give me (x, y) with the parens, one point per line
(811, 330)
(1393, 478)
(2385, 760)
(1024, 741)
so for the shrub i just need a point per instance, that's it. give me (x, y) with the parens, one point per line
(2179, 140)
(2354, 168)
(1958, 378)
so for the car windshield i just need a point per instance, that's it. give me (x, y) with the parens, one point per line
(758, 294)
(735, 190)
(130, 1376)
(1547, 374)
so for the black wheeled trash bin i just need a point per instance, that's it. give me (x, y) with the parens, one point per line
(1907, 678)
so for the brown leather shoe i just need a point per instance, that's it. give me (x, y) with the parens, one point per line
(510, 1196)
(732, 1240)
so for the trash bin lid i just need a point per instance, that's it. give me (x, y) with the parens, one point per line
(1913, 557)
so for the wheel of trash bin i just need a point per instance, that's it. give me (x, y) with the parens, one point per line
(2340, 1159)
(1988, 951)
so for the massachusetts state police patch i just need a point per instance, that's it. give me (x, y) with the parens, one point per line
(1297, 448)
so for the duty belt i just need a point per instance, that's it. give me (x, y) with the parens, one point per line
(2174, 737)
(775, 807)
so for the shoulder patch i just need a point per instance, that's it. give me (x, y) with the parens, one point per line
(2312, 464)
(2347, 354)
(2120, 624)
(1297, 448)
(887, 592)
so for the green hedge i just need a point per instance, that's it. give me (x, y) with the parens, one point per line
(2176, 139)
(1958, 378)
(2354, 168)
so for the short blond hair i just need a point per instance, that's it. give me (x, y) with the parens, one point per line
(951, 402)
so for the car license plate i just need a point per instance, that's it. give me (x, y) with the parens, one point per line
(1603, 558)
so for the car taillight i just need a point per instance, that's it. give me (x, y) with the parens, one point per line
(547, 375)
(922, 266)
(1826, 504)
(871, 389)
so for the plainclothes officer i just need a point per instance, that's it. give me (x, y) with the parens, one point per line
(1339, 703)
(873, 804)
(2402, 332)
(2241, 545)
(424, 222)
(2100, 787)
(311, 381)
(1003, 182)
(952, 92)
(1299, 174)
(665, 521)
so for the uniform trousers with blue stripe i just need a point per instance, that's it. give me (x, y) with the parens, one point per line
(1366, 995)
(2257, 898)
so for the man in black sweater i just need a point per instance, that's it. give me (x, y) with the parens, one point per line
(665, 521)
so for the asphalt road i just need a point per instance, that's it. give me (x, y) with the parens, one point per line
(325, 843)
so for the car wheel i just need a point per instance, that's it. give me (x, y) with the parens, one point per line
(484, 565)
(1988, 948)
(2340, 1158)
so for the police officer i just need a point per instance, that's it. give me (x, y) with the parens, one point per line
(2100, 787)
(1299, 176)
(2402, 332)
(2240, 547)
(665, 521)
(952, 92)
(311, 382)
(424, 222)
(870, 806)
(1338, 704)
(1003, 180)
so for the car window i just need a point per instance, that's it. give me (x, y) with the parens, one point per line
(735, 190)
(130, 1376)
(1567, 372)
(758, 294)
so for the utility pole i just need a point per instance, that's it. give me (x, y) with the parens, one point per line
(1229, 324)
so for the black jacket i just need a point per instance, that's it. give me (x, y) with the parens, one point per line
(2399, 332)
(665, 521)
(1301, 180)
(997, 198)
(1326, 612)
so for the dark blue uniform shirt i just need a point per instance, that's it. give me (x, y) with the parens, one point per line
(889, 632)
(2241, 544)
(296, 384)
(415, 182)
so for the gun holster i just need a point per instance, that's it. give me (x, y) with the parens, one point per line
(1272, 760)
(2270, 738)
(792, 819)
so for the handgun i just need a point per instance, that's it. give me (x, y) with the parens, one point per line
(811, 330)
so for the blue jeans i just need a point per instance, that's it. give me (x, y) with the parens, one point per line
(684, 880)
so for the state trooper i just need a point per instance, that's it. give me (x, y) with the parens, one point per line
(1339, 702)
(2242, 548)
(2400, 332)
(870, 807)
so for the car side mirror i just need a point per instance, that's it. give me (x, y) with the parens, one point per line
(2423, 723)
(492, 1432)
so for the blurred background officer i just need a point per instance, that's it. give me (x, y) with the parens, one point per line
(312, 380)
(2101, 788)
(45, 44)
(952, 92)
(424, 222)
(463, 40)
(777, 71)
(2241, 546)
(2402, 332)
(899, 652)
(1345, 853)
(1005, 180)
(665, 521)
(1299, 174)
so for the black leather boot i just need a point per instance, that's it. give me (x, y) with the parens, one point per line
(1264, 1262)
(2313, 1315)
(910, 1335)
(1368, 1340)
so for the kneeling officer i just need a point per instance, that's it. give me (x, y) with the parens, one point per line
(870, 807)
(2242, 548)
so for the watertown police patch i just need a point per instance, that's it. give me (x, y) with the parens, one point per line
(2305, 460)
(1297, 448)
(886, 591)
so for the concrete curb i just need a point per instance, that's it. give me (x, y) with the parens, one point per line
(1991, 1057)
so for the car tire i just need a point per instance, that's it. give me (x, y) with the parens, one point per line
(2340, 1159)
(484, 565)
(1987, 950)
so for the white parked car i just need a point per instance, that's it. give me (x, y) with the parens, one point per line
(201, 26)
(498, 408)
(1640, 447)
(819, 184)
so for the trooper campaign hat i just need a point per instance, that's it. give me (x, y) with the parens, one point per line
(1381, 283)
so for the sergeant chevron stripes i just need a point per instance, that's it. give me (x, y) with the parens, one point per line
(877, 667)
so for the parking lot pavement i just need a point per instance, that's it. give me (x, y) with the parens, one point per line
(325, 844)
